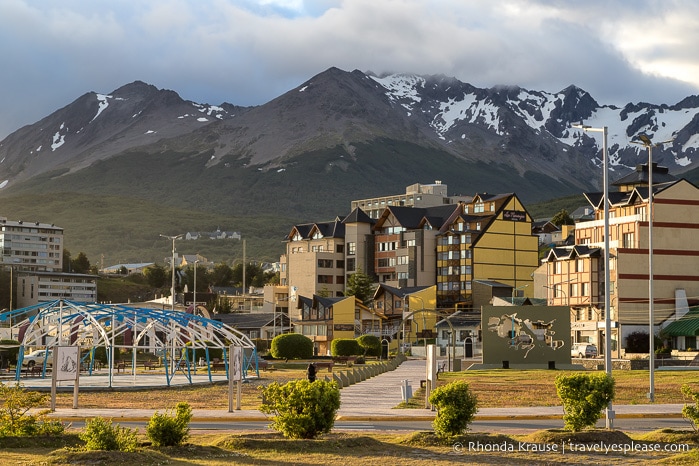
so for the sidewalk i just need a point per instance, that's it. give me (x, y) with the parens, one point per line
(375, 399)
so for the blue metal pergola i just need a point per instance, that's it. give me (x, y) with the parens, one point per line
(173, 335)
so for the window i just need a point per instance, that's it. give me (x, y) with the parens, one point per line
(580, 265)
(574, 289)
(340, 264)
(628, 240)
(351, 267)
(478, 208)
(351, 249)
(558, 265)
(397, 303)
(327, 279)
(585, 289)
(402, 260)
(325, 263)
(340, 280)
(340, 248)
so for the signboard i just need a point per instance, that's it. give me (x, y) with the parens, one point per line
(236, 363)
(67, 363)
(514, 215)
(343, 327)
(526, 335)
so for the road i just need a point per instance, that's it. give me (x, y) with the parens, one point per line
(502, 426)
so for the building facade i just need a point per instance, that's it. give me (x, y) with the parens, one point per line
(576, 274)
(31, 246)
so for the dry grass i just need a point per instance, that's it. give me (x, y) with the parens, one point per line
(339, 449)
(494, 388)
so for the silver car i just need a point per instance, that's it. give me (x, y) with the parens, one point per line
(583, 350)
(36, 358)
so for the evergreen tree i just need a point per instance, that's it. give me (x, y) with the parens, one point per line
(360, 285)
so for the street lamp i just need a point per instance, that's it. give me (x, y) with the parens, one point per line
(172, 264)
(648, 144)
(555, 290)
(194, 308)
(609, 414)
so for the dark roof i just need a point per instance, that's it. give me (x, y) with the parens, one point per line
(333, 229)
(565, 253)
(661, 175)
(399, 292)
(358, 216)
(461, 319)
(254, 320)
(687, 325)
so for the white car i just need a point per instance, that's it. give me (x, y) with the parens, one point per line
(36, 358)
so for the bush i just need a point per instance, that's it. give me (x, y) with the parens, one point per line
(292, 346)
(456, 407)
(371, 344)
(102, 434)
(345, 347)
(302, 409)
(15, 420)
(9, 355)
(689, 412)
(637, 342)
(584, 397)
(166, 430)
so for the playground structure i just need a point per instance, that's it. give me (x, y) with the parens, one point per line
(175, 338)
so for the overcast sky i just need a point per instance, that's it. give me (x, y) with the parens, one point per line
(247, 52)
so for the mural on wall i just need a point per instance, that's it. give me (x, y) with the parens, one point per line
(526, 334)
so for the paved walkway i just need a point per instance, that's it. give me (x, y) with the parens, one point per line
(372, 399)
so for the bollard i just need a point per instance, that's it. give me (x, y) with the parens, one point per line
(406, 390)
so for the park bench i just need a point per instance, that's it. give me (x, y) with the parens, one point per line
(120, 366)
(347, 360)
(328, 364)
(149, 365)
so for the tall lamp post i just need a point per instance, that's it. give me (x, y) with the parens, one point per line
(648, 144)
(194, 305)
(609, 413)
(172, 264)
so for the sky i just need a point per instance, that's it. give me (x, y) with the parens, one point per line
(247, 52)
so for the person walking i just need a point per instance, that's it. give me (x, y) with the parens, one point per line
(311, 372)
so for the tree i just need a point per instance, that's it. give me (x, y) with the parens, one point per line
(371, 344)
(203, 278)
(222, 275)
(562, 218)
(155, 274)
(254, 275)
(360, 285)
(67, 265)
(80, 264)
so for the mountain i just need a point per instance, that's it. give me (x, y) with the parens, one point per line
(336, 137)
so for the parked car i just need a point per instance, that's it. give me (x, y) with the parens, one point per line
(583, 350)
(36, 358)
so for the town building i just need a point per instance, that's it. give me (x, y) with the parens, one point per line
(575, 274)
(40, 287)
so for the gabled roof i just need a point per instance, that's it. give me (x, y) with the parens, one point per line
(567, 253)
(332, 229)
(661, 175)
(399, 292)
(358, 216)
(483, 197)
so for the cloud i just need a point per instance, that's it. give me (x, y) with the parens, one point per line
(247, 52)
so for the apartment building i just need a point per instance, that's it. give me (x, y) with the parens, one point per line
(314, 263)
(575, 275)
(31, 246)
(416, 195)
(34, 252)
(40, 287)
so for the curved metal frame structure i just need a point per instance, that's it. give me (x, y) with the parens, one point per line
(175, 335)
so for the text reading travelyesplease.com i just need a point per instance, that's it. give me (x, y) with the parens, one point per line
(572, 447)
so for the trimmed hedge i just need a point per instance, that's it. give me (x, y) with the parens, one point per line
(292, 346)
(345, 347)
(371, 344)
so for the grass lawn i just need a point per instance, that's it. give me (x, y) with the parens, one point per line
(494, 388)
(419, 448)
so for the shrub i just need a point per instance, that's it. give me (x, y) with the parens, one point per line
(456, 407)
(302, 409)
(345, 347)
(15, 419)
(102, 434)
(371, 344)
(166, 430)
(691, 412)
(584, 397)
(292, 346)
(637, 342)
(9, 355)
